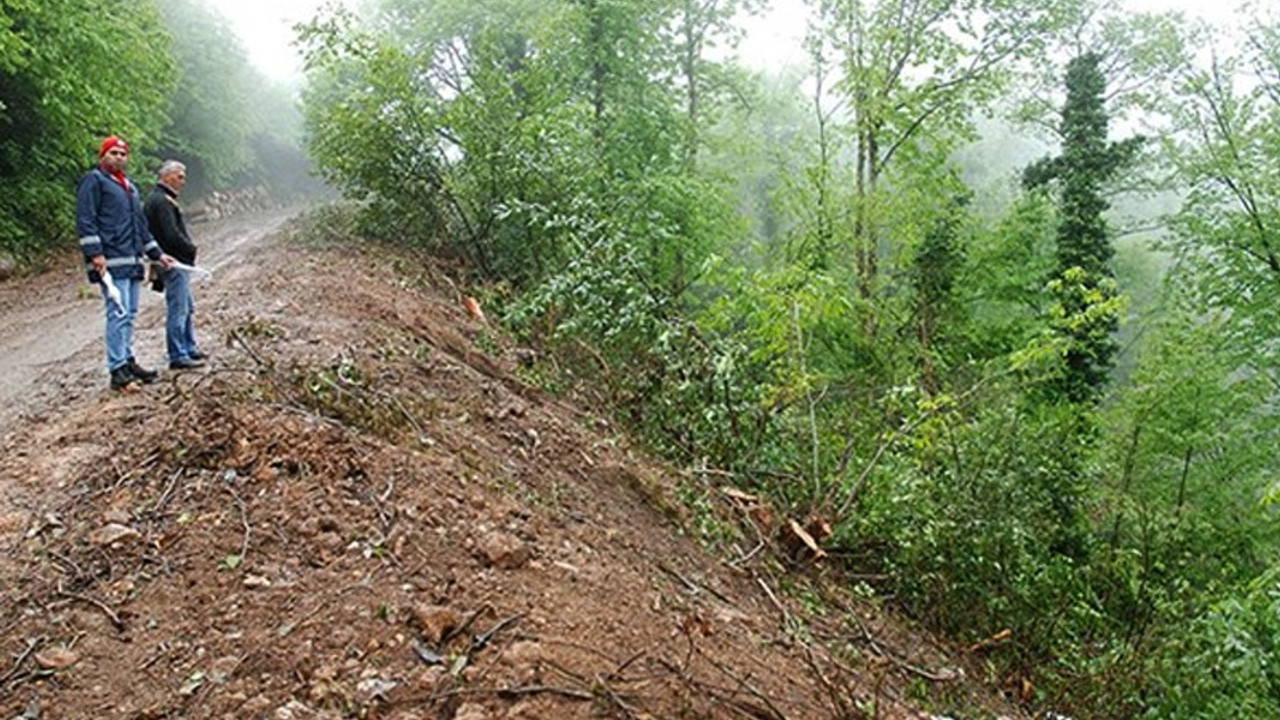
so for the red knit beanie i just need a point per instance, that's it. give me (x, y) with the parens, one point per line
(112, 142)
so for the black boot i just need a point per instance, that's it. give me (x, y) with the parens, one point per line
(121, 378)
(144, 375)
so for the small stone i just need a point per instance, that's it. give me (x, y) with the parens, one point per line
(331, 541)
(472, 711)
(374, 688)
(435, 621)
(113, 533)
(524, 652)
(57, 658)
(309, 527)
(255, 706)
(12, 522)
(505, 551)
(293, 710)
(116, 516)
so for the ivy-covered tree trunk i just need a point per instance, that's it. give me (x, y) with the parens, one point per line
(933, 279)
(1085, 310)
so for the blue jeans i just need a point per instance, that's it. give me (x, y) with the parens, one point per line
(120, 327)
(180, 308)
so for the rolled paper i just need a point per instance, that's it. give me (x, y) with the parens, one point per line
(113, 293)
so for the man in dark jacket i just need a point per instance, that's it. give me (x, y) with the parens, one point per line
(113, 238)
(164, 217)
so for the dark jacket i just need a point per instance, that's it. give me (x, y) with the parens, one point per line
(164, 218)
(110, 223)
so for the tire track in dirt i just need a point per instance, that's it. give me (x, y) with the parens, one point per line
(51, 348)
(51, 357)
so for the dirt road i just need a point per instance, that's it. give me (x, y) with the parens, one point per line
(51, 351)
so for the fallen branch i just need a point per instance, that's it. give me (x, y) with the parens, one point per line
(690, 585)
(17, 664)
(244, 522)
(517, 692)
(944, 675)
(767, 710)
(111, 614)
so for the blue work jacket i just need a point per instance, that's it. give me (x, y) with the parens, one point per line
(110, 222)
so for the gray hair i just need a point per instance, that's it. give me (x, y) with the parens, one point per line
(169, 167)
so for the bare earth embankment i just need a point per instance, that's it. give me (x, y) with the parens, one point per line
(357, 512)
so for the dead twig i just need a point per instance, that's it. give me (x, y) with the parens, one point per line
(509, 693)
(106, 609)
(616, 699)
(161, 650)
(617, 673)
(944, 675)
(787, 620)
(244, 522)
(480, 641)
(68, 562)
(287, 628)
(466, 624)
(691, 586)
(253, 354)
(773, 713)
(22, 657)
(695, 472)
(410, 417)
(590, 650)
(167, 494)
(835, 695)
(518, 692)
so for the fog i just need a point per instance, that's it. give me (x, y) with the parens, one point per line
(772, 40)
(265, 28)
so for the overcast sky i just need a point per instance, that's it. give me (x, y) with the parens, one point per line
(265, 28)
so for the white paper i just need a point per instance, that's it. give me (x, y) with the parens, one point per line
(196, 270)
(113, 293)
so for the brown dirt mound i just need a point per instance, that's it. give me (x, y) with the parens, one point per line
(355, 512)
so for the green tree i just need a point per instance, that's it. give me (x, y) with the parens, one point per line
(210, 113)
(70, 74)
(697, 27)
(542, 134)
(907, 78)
(934, 272)
(1226, 146)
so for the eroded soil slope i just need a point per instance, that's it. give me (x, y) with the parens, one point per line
(356, 511)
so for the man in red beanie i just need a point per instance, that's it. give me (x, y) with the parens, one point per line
(113, 238)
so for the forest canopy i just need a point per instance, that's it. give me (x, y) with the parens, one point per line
(171, 78)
